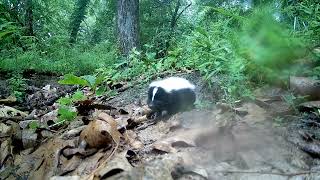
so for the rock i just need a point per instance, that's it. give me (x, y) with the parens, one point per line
(310, 105)
(50, 116)
(5, 130)
(305, 86)
(29, 138)
(46, 134)
(24, 124)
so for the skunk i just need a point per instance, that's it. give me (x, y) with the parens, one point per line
(171, 95)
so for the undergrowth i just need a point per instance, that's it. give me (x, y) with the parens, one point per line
(61, 60)
(242, 49)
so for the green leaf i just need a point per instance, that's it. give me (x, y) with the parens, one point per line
(66, 114)
(100, 78)
(65, 101)
(150, 56)
(33, 125)
(78, 96)
(2, 34)
(70, 79)
(91, 79)
(101, 90)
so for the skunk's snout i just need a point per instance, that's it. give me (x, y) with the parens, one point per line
(151, 105)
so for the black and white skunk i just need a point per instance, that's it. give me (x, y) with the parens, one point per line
(171, 95)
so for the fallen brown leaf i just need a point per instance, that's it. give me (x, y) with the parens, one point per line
(117, 165)
(101, 132)
(6, 156)
(6, 112)
(8, 100)
(131, 137)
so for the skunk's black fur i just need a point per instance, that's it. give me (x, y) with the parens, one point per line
(171, 95)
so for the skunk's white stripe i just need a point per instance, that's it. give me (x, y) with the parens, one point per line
(154, 93)
(172, 83)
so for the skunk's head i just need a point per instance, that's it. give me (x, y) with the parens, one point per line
(160, 94)
(158, 98)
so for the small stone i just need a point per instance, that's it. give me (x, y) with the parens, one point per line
(29, 138)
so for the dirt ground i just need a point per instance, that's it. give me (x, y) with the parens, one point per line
(253, 139)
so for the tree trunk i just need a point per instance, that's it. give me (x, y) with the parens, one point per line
(77, 18)
(128, 25)
(29, 18)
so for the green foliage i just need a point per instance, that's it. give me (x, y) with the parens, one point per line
(17, 85)
(305, 18)
(70, 79)
(267, 45)
(88, 80)
(59, 58)
(67, 111)
(243, 46)
(293, 101)
(33, 125)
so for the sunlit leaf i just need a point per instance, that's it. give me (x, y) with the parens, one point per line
(70, 79)
(78, 96)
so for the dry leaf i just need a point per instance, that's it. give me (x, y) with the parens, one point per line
(8, 100)
(6, 152)
(101, 132)
(117, 165)
(131, 137)
(5, 130)
(97, 134)
(6, 112)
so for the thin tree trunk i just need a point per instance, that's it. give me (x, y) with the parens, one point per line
(77, 18)
(128, 25)
(29, 18)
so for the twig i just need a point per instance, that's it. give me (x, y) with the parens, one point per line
(56, 124)
(273, 173)
(183, 11)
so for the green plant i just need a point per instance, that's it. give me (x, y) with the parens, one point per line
(90, 81)
(278, 121)
(17, 85)
(293, 101)
(67, 110)
(34, 125)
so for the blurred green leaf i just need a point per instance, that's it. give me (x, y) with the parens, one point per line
(33, 125)
(66, 113)
(78, 96)
(90, 78)
(101, 90)
(65, 101)
(70, 79)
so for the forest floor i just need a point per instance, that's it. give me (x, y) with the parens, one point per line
(265, 138)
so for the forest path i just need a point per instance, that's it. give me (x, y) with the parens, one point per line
(250, 140)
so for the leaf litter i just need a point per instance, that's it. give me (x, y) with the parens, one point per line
(121, 141)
